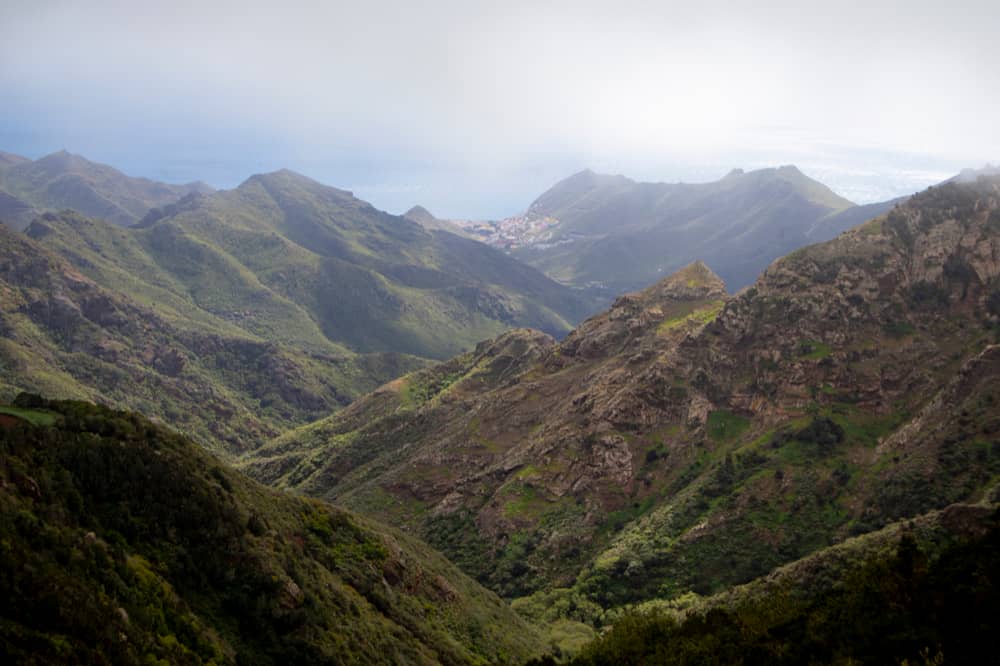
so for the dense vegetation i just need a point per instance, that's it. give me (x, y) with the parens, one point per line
(919, 603)
(125, 543)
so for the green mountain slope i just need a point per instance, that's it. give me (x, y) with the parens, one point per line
(288, 259)
(687, 440)
(141, 343)
(63, 180)
(612, 234)
(921, 592)
(125, 543)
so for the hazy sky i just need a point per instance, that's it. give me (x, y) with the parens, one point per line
(473, 109)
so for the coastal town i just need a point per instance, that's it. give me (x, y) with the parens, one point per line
(512, 232)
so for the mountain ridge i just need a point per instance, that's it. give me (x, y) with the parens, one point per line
(63, 180)
(608, 234)
(301, 280)
(683, 421)
(368, 280)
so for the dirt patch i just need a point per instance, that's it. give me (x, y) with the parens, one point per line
(7, 421)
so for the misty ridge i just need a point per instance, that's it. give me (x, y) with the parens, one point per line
(533, 334)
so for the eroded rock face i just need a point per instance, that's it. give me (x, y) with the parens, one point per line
(681, 395)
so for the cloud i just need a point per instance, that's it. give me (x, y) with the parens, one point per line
(514, 85)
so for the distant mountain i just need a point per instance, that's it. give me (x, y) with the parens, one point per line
(236, 314)
(290, 260)
(138, 341)
(125, 543)
(426, 219)
(611, 234)
(9, 159)
(688, 440)
(63, 180)
(971, 175)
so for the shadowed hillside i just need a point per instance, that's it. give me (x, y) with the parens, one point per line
(126, 543)
(920, 592)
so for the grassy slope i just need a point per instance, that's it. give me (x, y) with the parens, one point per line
(377, 282)
(65, 335)
(125, 543)
(286, 258)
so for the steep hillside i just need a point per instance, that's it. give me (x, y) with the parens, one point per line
(15, 213)
(921, 592)
(139, 344)
(63, 180)
(288, 259)
(610, 234)
(687, 440)
(125, 543)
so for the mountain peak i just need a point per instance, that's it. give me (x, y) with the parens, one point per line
(970, 175)
(578, 185)
(589, 175)
(694, 281)
(283, 178)
(419, 214)
(810, 188)
(63, 160)
(279, 174)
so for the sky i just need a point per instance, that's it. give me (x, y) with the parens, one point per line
(472, 109)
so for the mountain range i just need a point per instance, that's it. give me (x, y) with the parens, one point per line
(610, 234)
(63, 180)
(687, 473)
(284, 257)
(234, 315)
(687, 440)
